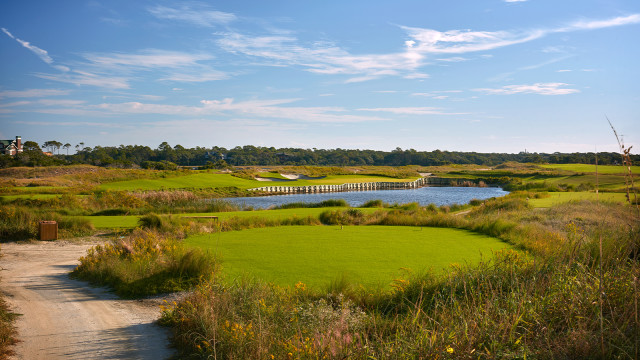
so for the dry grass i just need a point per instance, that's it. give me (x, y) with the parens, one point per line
(543, 304)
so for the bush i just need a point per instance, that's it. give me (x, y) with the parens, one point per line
(146, 263)
(375, 204)
(325, 203)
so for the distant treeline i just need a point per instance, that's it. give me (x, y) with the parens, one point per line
(166, 156)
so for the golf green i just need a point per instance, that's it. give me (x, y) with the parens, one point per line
(367, 255)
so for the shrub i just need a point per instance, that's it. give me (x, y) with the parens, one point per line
(375, 204)
(146, 263)
(325, 203)
(17, 223)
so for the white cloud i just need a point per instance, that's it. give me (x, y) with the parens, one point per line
(86, 78)
(32, 93)
(57, 102)
(118, 70)
(282, 48)
(513, 1)
(42, 54)
(600, 24)
(412, 111)
(538, 88)
(453, 59)
(228, 107)
(147, 58)
(195, 13)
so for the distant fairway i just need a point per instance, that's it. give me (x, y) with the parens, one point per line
(585, 168)
(209, 180)
(368, 255)
(131, 221)
(562, 197)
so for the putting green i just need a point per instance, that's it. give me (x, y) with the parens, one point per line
(368, 255)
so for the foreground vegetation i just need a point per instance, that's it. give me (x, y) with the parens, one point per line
(574, 296)
(146, 263)
(7, 330)
(567, 288)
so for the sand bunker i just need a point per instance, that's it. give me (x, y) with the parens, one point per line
(270, 179)
(301, 177)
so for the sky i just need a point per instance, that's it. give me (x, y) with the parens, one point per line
(460, 75)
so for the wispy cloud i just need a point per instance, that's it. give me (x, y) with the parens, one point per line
(285, 49)
(600, 24)
(42, 54)
(118, 70)
(32, 93)
(194, 13)
(80, 78)
(260, 109)
(147, 58)
(412, 111)
(538, 88)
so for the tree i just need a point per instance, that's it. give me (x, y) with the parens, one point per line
(67, 146)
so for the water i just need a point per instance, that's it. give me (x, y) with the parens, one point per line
(424, 196)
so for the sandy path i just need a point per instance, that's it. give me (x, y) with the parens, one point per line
(67, 319)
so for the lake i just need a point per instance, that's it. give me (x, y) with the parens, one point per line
(424, 196)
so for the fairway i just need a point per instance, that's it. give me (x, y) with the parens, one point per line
(586, 168)
(562, 197)
(209, 180)
(367, 255)
(131, 221)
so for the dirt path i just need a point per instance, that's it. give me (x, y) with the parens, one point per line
(67, 319)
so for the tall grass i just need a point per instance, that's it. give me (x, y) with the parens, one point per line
(21, 223)
(321, 204)
(7, 329)
(146, 263)
(543, 303)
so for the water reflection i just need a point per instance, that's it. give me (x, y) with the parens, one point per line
(424, 196)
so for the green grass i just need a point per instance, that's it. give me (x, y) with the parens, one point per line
(208, 180)
(131, 221)
(562, 197)
(369, 255)
(30, 196)
(585, 168)
(191, 181)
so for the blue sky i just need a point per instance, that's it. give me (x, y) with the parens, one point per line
(459, 75)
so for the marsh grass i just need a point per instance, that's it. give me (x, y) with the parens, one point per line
(321, 204)
(7, 329)
(21, 223)
(146, 263)
(543, 303)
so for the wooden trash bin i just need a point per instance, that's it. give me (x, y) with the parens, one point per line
(48, 230)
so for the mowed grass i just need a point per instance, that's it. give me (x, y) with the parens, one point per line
(209, 180)
(369, 255)
(585, 168)
(190, 181)
(131, 221)
(562, 197)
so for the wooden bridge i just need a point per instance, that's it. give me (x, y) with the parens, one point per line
(368, 186)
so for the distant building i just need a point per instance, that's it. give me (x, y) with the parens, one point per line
(11, 147)
(213, 155)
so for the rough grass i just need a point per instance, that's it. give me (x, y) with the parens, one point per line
(586, 168)
(544, 305)
(369, 255)
(145, 263)
(555, 198)
(7, 329)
